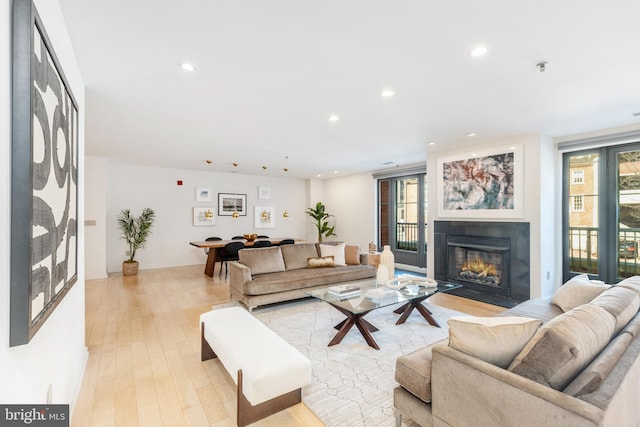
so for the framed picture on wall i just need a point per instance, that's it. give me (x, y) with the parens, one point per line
(230, 204)
(264, 217)
(264, 192)
(44, 178)
(487, 184)
(203, 194)
(204, 216)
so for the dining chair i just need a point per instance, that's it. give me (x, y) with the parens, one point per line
(229, 253)
(260, 244)
(286, 242)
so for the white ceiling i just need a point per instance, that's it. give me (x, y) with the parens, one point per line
(270, 72)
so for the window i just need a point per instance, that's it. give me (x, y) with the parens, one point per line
(578, 204)
(577, 176)
(601, 229)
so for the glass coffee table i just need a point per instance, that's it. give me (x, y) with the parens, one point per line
(355, 307)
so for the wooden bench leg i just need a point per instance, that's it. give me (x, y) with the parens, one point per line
(248, 413)
(206, 352)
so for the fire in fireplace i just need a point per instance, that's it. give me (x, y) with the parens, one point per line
(477, 266)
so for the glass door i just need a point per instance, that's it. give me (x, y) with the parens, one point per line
(628, 203)
(601, 213)
(402, 218)
(582, 213)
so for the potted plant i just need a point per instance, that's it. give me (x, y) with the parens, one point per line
(135, 231)
(320, 216)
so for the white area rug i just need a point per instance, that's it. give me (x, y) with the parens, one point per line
(352, 383)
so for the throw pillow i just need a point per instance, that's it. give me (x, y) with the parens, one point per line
(337, 251)
(319, 262)
(496, 340)
(262, 260)
(352, 254)
(577, 291)
(296, 256)
(564, 346)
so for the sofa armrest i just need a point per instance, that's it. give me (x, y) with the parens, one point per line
(239, 274)
(470, 391)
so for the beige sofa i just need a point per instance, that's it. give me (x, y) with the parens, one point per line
(268, 275)
(580, 368)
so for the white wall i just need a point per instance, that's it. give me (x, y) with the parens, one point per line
(352, 199)
(56, 355)
(136, 187)
(539, 205)
(95, 218)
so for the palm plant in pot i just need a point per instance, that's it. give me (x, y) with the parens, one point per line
(135, 231)
(321, 217)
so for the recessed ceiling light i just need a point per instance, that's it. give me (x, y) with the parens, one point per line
(335, 172)
(471, 134)
(334, 118)
(319, 175)
(479, 51)
(188, 67)
(387, 93)
(432, 143)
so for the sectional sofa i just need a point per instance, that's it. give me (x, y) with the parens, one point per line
(281, 273)
(571, 361)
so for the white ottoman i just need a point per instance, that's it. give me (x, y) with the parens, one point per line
(268, 372)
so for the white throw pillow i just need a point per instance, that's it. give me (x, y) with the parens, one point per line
(577, 291)
(336, 251)
(497, 340)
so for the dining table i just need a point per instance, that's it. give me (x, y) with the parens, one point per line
(215, 245)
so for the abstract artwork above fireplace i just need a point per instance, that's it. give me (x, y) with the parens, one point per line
(484, 184)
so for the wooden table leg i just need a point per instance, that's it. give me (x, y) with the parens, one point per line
(406, 309)
(210, 266)
(363, 326)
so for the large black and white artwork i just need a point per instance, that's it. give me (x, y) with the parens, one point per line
(44, 211)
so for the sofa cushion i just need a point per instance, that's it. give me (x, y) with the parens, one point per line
(337, 251)
(352, 254)
(633, 327)
(537, 308)
(303, 278)
(262, 260)
(496, 340)
(621, 303)
(319, 262)
(577, 291)
(413, 372)
(296, 256)
(632, 283)
(564, 346)
(592, 376)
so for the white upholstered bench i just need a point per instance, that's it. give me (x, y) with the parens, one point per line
(268, 372)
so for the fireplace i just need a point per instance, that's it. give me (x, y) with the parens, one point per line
(490, 259)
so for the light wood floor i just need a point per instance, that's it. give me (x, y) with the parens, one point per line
(144, 367)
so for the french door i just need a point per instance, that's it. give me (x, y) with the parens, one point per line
(601, 212)
(403, 218)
